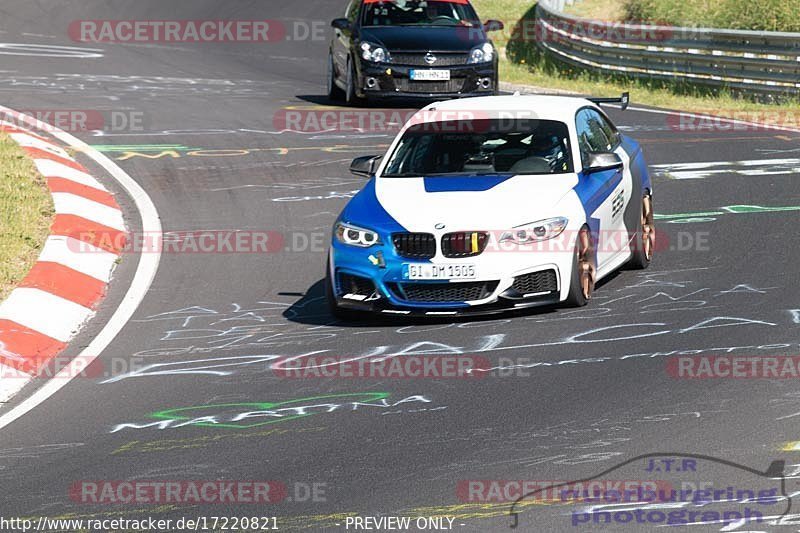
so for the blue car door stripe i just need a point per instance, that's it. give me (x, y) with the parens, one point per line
(594, 189)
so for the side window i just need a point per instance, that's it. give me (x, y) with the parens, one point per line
(610, 131)
(598, 138)
(352, 10)
(582, 129)
(591, 137)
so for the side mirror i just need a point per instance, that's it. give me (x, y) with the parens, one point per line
(599, 161)
(365, 166)
(493, 25)
(340, 24)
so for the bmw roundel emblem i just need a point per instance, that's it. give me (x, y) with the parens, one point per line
(439, 226)
(430, 58)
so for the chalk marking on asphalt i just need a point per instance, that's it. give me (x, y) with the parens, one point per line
(49, 50)
(706, 169)
(142, 279)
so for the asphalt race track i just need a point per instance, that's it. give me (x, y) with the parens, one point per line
(590, 387)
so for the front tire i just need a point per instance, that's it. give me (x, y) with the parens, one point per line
(584, 271)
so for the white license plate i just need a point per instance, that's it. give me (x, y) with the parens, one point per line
(446, 272)
(429, 75)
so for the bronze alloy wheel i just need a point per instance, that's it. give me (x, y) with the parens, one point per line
(586, 268)
(648, 228)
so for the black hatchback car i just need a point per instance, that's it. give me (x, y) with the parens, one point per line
(411, 48)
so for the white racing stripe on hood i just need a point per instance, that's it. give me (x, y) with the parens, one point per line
(518, 200)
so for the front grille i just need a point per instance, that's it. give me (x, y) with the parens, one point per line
(451, 86)
(443, 292)
(542, 281)
(415, 245)
(350, 284)
(464, 243)
(417, 59)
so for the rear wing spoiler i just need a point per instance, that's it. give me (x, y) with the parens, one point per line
(623, 100)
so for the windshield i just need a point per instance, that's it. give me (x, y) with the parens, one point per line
(482, 147)
(418, 13)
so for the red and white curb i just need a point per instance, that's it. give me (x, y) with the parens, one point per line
(62, 290)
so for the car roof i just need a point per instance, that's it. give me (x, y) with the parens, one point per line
(545, 107)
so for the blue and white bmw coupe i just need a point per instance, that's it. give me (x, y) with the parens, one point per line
(494, 203)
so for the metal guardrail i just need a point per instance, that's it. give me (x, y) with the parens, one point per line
(750, 61)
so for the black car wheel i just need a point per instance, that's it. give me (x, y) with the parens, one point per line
(334, 91)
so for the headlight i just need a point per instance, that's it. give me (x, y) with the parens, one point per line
(535, 231)
(374, 53)
(481, 54)
(355, 236)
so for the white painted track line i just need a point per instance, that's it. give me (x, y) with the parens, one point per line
(142, 279)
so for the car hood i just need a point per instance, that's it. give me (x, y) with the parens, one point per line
(425, 38)
(472, 202)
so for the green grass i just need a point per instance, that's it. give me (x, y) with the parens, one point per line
(763, 15)
(26, 210)
(613, 10)
(522, 63)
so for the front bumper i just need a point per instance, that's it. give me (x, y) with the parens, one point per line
(393, 81)
(386, 291)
